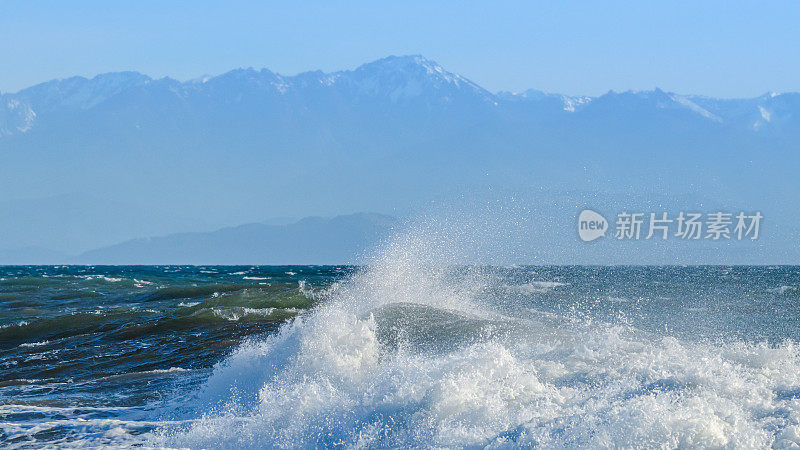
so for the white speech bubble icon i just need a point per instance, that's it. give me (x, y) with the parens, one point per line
(591, 225)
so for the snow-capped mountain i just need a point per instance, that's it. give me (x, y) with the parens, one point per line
(390, 82)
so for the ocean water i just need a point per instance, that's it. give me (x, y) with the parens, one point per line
(400, 352)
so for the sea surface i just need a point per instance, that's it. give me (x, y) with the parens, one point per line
(399, 352)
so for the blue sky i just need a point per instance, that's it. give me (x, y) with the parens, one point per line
(719, 48)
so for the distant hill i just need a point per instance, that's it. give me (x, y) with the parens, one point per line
(313, 240)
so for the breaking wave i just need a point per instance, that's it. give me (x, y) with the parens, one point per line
(413, 351)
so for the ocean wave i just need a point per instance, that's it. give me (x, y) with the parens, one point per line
(70, 324)
(144, 373)
(235, 314)
(534, 287)
(403, 354)
(215, 303)
(69, 430)
(331, 380)
(785, 290)
(282, 296)
(177, 292)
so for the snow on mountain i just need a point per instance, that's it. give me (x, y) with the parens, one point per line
(15, 116)
(395, 80)
(403, 77)
(694, 107)
(565, 102)
(771, 111)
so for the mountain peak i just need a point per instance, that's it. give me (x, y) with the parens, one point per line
(80, 92)
(124, 77)
(396, 61)
(411, 65)
(410, 76)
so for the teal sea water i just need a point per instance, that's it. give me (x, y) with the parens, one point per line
(399, 353)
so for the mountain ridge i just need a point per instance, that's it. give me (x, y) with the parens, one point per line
(395, 78)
